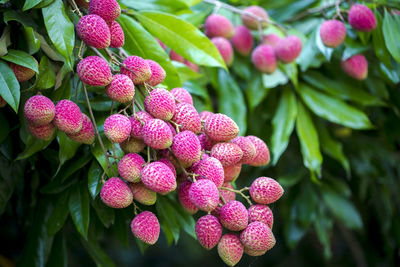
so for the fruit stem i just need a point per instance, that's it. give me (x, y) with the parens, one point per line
(76, 8)
(97, 52)
(148, 154)
(238, 192)
(138, 105)
(314, 10)
(222, 197)
(176, 125)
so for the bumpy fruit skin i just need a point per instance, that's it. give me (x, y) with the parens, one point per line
(248, 148)
(94, 31)
(230, 250)
(206, 142)
(218, 26)
(157, 73)
(109, 10)
(176, 57)
(227, 195)
(251, 22)
(182, 95)
(225, 49)
(264, 58)
(265, 190)
(132, 145)
(233, 216)
(262, 152)
(204, 115)
(157, 134)
(160, 103)
(137, 69)
(44, 132)
(332, 32)
(169, 164)
(117, 35)
(86, 134)
(227, 153)
(257, 236)
(39, 110)
(288, 49)
(187, 117)
(115, 193)
(270, 39)
(130, 167)
(356, 67)
(121, 89)
(204, 195)
(137, 122)
(232, 172)
(183, 195)
(210, 168)
(145, 226)
(117, 128)
(22, 73)
(254, 253)
(159, 178)
(261, 213)
(68, 117)
(142, 194)
(186, 148)
(243, 40)
(220, 128)
(208, 231)
(94, 71)
(362, 18)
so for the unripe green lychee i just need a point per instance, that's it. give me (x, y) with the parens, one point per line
(265, 190)
(115, 193)
(204, 195)
(208, 231)
(264, 58)
(94, 31)
(22, 73)
(233, 216)
(187, 117)
(257, 236)
(332, 32)
(142, 194)
(121, 89)
(252, 22)
(183, 195)
(261, 213)
(39, 110)
(160, 103)
(109, 10)
(230, 250)
(218, 26)
(220, 128)
(243, 40)
(117, 35)
(262, 152)
(130, 167)
(145, 226)
(288, 49)
(186, 148)
(44, 132)
(362, 18)
(225, 49)
(227, 153)
(157, 73)
(159, 178)
(356, 67)
(132, 145)
(182, 95)
(86, 133)
(68, 117)
(136, 68)
(94, 71)
(157, 134)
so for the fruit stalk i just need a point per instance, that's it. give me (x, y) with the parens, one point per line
(240, 192)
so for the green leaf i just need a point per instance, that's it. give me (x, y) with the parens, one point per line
(30, 4)
(57, 185)
(21, 58)
(33, 43)
(182, 37)
(74, 166)
(291, 71)
(67, 148)
(310, 55)
(59, 214)
(323, 226)
(255, 91)
(159, 5)
(185, 73)
(60, 29)
(353, 48)
(5, 40)
(96, 253)
(325, 51)
(274, 79)
(97, 152)
(391, 31)
(9, 86)
(13, 15)
(79, 208)
(105, 214)
(333, 109)
(168, 220)
(283, 123)
(141, 43)
(309, 140)
(58, 256)
(48, 49)
(5, 127)
(33, 145)
(378, 41)
(47, 77)
(94, 179)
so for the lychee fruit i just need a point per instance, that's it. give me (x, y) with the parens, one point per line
(270, 39)
(288, 49)
(183, 195)
(115, 193)
(204, 195)
(264, 58)
(206, 142)
(138, 120)
(248, 148)
(262, 152)
(145, 227)
(160, 103)
(332, 33)
(68, 117)
(43, 132)
(117, 35)
(265, 190)
(132, 145)
(204, 115)
(362, 18)
(121, 89)
(136, 68)
(261, 213)
(210, 168)
(39, 110)
(208, 231)
(161, 44)
(233, 216)
(254, 253)
(109, 10)
(142, 194)
(157, 73)
(232, 172)
(187, 117)
(243, 40)
(117, 128)
(230, 249)
(251, 22)
(176, 57)
(218, 26)
(227, 153)
(159, 178)
(94, 31)
(94, 71)
(130, 167)
(191, 65)
(220, 128)
(257, 236)
(86, 133)
(157, 134)
(186, 148)
(22, 73)
(225, 49)
(182, 95)
(169, 164)
(356, 67)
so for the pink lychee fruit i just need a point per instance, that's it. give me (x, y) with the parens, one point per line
(86, 133)
(243, 40)
(68, 117)
(227, 153)
(115, 193)
(232, 172)
(265, 190)
(225, 49)
(204, 115)
(182, 95)
(230, 249)
(210, 168)
(117, 35)
(220, 128)
(332, 32)
(142, 194)
(208, 231)
(145, 227)
(187, 117)
(257, 236)
(233, 216)
(169, 164)
(136, 68)
(254, 253)
(132, 145)
(121, 89)
(94, 71)
(43, 132)
(248, 148)
(362, 18)
(117, 128)
(262, 152)
(218, 26)
(39, 110)
(183, 195)
(227, 195)
(204, 195)
(288, 49)
(130, 167)
(109, 10)
(157, 73)
(157, 134)
(167, 154)
(191, 65)
(138, 120)
(206, 142)
(176, 57)
(270, 39)
(264, 58)
(356, 67)
(94, 31)
(163, 46)
(172, 127)
(160, 103)
(22, 73)
(261, 213)
(250, 21)
(187, 148)
(159, 178)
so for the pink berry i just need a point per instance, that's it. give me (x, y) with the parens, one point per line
(248, 148)
(94, 31)
(362, 18)
(44, 132)
(220, 128)
(288, 49)
(138, 120)
(157, 134)
(187, 117)
(264, 58)
(157, 73)
(252, 22)
(22, 73)
(68, 117)
(121, 89)
(39, 110)
(186, 148)
(210, 168)
(206, 142)
(94, 71)
(261, 213)
(160, 103)
(225, 49)
(204, 195)
(182, 95)
(86, 134)
(137, 69)
(227, 195)
(142, 194)
(159, 178)
(115, 193)
(270, 39)
(332, 32)
(169, 164)
(232, 172)
(117, 128)
(208, 231)
(217, 25)
(117, 35)
(132, 145)
(265, 190)
(230, 250)
(109, 10)
(227, 153)
(262, 152)
(356, 67)
(204, 115)
(130, 167)
(183, 195)
(233, 216)
(145, 226)
(257, 236)
(243, 40)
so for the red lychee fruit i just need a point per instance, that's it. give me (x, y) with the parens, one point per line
(22, 73)
(356, 67)
(94, 71)
(121, 89)
(261, 213)
(183, 195)
(262, 152)
(225, 49)
(230, 250)
(270, 39)
(288, 49)
(257, 236)
(39, 110)
(174, 56)
(362, 18)
(254, 253)
(117, 35)
(169, 164)
(204, 195)
(109, 10)
(227, 153)
(208, 231)
(157, 134)
(157, 73)
(68, 117)
(265, 190)
(132, 145)
(182, 95)
(206, 142)
(159, 178)
(210, 168)
(186, 148)
(142, 194)
(264, 58)
(94, 31)
(117, 128)
(233, 216)
(43, 132)
(138, 120)
(218, 26)
(187, 117)
(136, 68)
(204, 115)
(160, 103)
(145, 226)
(86, 133)
(332, 32)
(220, 128)
(130, 167)
(243, 40)
(232, 172)
(115, 193)
(252, 22)
(248, 148)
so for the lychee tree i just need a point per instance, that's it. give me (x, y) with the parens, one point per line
(147, 120)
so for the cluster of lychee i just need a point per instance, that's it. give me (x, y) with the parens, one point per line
(264, 56)
(333, 33)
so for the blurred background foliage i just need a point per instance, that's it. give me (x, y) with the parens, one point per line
(334, 141)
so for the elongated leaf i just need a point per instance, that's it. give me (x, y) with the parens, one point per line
(94, 179)
(255, 91)
(333, 109)
(323, 227)
(5, 40)
(13, 15)
(30, 4)
(105, 214)
(182, 37)
(168, 220)
(59, 214)
(33, 145)
(378, 41)
(67, 149)
(9, 86)
(309, 140)
(185, 73)
(58, 256)
(60, 29)
(79, 208)
(33, 43)
(97, 254)
(391, 31)
(47, 77)
(158, 5)
(274, 79)
(22, 58)
(283, 123)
